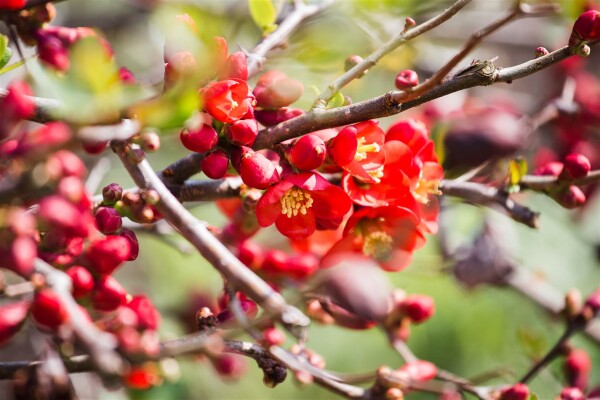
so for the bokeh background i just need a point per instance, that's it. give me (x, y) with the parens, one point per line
(475, 331)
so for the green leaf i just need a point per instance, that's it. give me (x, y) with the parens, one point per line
(5, 51)
(336, 101)
(263, 13)
(170, 110)
(533, 396)
(517, 168)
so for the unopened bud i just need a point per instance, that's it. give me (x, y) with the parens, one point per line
(519, 391)
(406, 79)
(352, 61)
(576, 166)
(215, 164)
(308, 152)
(541, 51)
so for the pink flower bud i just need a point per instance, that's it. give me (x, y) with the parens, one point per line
(275, 90)
(108, 294)
(53, 52)
(94, 147)
(308, 152)
(586, 27)
(82, 279)
(111, 193)
(572, 197)
(274, 117)
(419, 308)
(273, 336)
(215, 164)
(180, 65)
(342, 148)
(107, 254)
(148, 316)
(351, 62)
(47, 310)
(250, 253)
(419, 371)
(235, 67)
(553, 168)
(577, 367)
(541, 51)
(126, 76)
(230, 366)
(257, 171)
(65, 163)
(150, 141)
(133, 243)
(571, 393)
(301, 266)
(108, 220)
(12, 317)
(576, 166)
(242, 132)
(593, 302)
(17, 104)
(406, 79)
(58, 212)
(199, 139)
(19, 256)
(519, 391)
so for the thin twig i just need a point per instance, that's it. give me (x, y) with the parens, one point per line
(257, 56)
(546, 183)
(372, 59)
(482, 194)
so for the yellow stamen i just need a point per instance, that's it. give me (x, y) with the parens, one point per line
(363, 149)
(424, 188)
(378, 245)
(294, 201)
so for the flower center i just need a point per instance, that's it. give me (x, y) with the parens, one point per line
(294, 201)
(363, 149)
(378, 245)
(425, 187)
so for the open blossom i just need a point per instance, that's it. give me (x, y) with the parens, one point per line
(358, 149)
(301, 203)
(389, 235)
(227, 100)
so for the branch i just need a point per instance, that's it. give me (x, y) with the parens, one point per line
(547, 183)
(385, 105)
(101, 345)
(482, 194)
(301, 11)
(518, 10)
(234, 271)
(371, 60)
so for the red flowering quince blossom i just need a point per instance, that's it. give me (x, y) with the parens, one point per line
(227, 100)
(389, 235)
(302, 203)
(358, 149)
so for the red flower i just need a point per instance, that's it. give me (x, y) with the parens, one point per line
(358, 149)
(389, 235)
(227, 100)
(302, 203)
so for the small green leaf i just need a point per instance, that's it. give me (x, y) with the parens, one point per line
(5, 51)
(336, 101)
(170, 110)
(533, 396)
(263, 13)
(516, 169)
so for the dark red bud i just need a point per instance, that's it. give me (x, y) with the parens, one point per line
(215, 164)
(572, 393)
(148, 316)
(257, 171)
(107, 254)
(48, 310)
(419, 308)
(112, 193)
(83, 281)
(133, 243)
(577, 367)
(541, 51)
(586, 27)
(242, 132)
(108, 220)
(53, 52)
(108, 294)
(274, 117)
(342, 148)
(308, 152)
(519, 391)
(200, 139)
(12, 317)
(576, 166)
(406, 79)
(572, 197)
